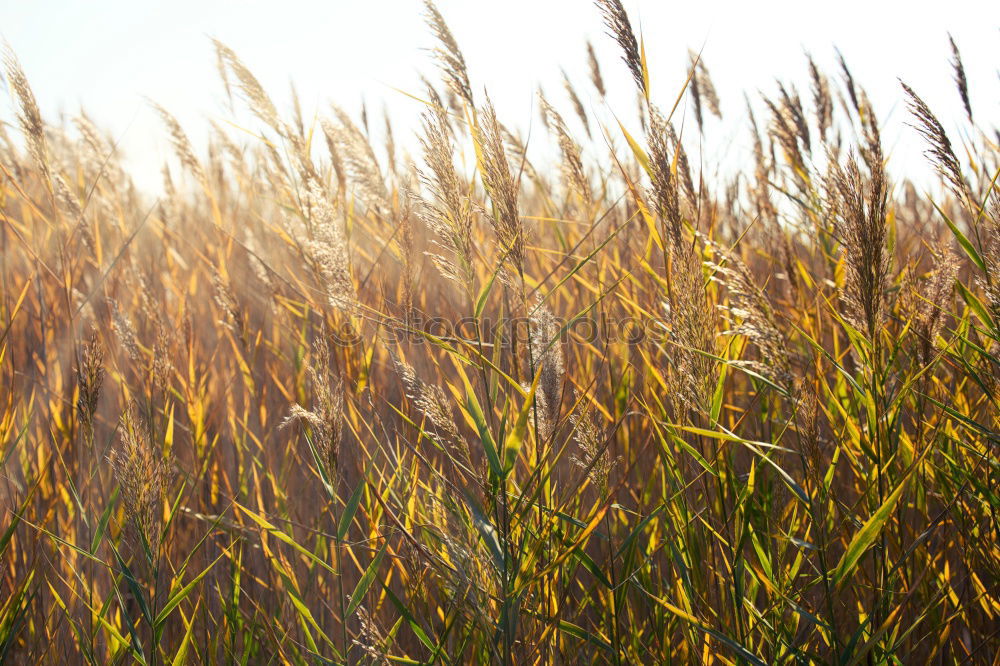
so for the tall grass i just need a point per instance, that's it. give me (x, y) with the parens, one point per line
(322, 404)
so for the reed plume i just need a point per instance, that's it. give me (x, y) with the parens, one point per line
(939, 152)
(450, 58)
(253, 92)
(702, 89)
(143, 475)
(581, 113)
(547, 358)
(182, 145)
(572, 162)
(593, 457)
(620, 29)
(28, 114)
(449, 213)
(665, 191)
(822, 101)
(861, 207)
(595, 71)
(960, 81)
(89, 380)
(499, 183)
(325, 419)
(751, 315)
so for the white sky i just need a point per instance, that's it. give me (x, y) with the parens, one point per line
(107, 55)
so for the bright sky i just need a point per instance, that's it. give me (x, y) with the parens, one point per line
(108, 55)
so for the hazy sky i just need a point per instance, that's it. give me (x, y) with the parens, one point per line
(108, 55)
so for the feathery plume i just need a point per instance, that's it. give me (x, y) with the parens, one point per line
(181, 143)
(620, 29)
(788, 127)
(449, 56)
(431, 401)
(664, 184)
(328, 251)
(593, 457)
(960, 81)
(253, 92)
(751, 315)
(449, 214)
(300, 128)
(989, 281)
(940, 152)
(326, 418)
(574, 99)
(371, 640)
(595, 71)
(547, 354)
(359, 161)
(861, 208)
(121, 324)
(143, 475)
(572, 164)
(225, 299)
(502, 190)
(89, 379)
(852, 90)
(822, 102)
(29, 117)
(702, 89)
(390, 140)
(930, 303)
(692, 326)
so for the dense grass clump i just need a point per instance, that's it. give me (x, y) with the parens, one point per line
(324, 403)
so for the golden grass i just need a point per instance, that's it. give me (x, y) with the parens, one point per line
(319, 405)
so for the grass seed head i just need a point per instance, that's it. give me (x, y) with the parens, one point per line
(143, 475)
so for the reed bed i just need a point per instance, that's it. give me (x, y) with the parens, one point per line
(327, 402)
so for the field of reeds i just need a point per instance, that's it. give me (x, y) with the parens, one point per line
(324, 402)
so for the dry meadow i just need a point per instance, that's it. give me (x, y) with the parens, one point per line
(326, 401)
